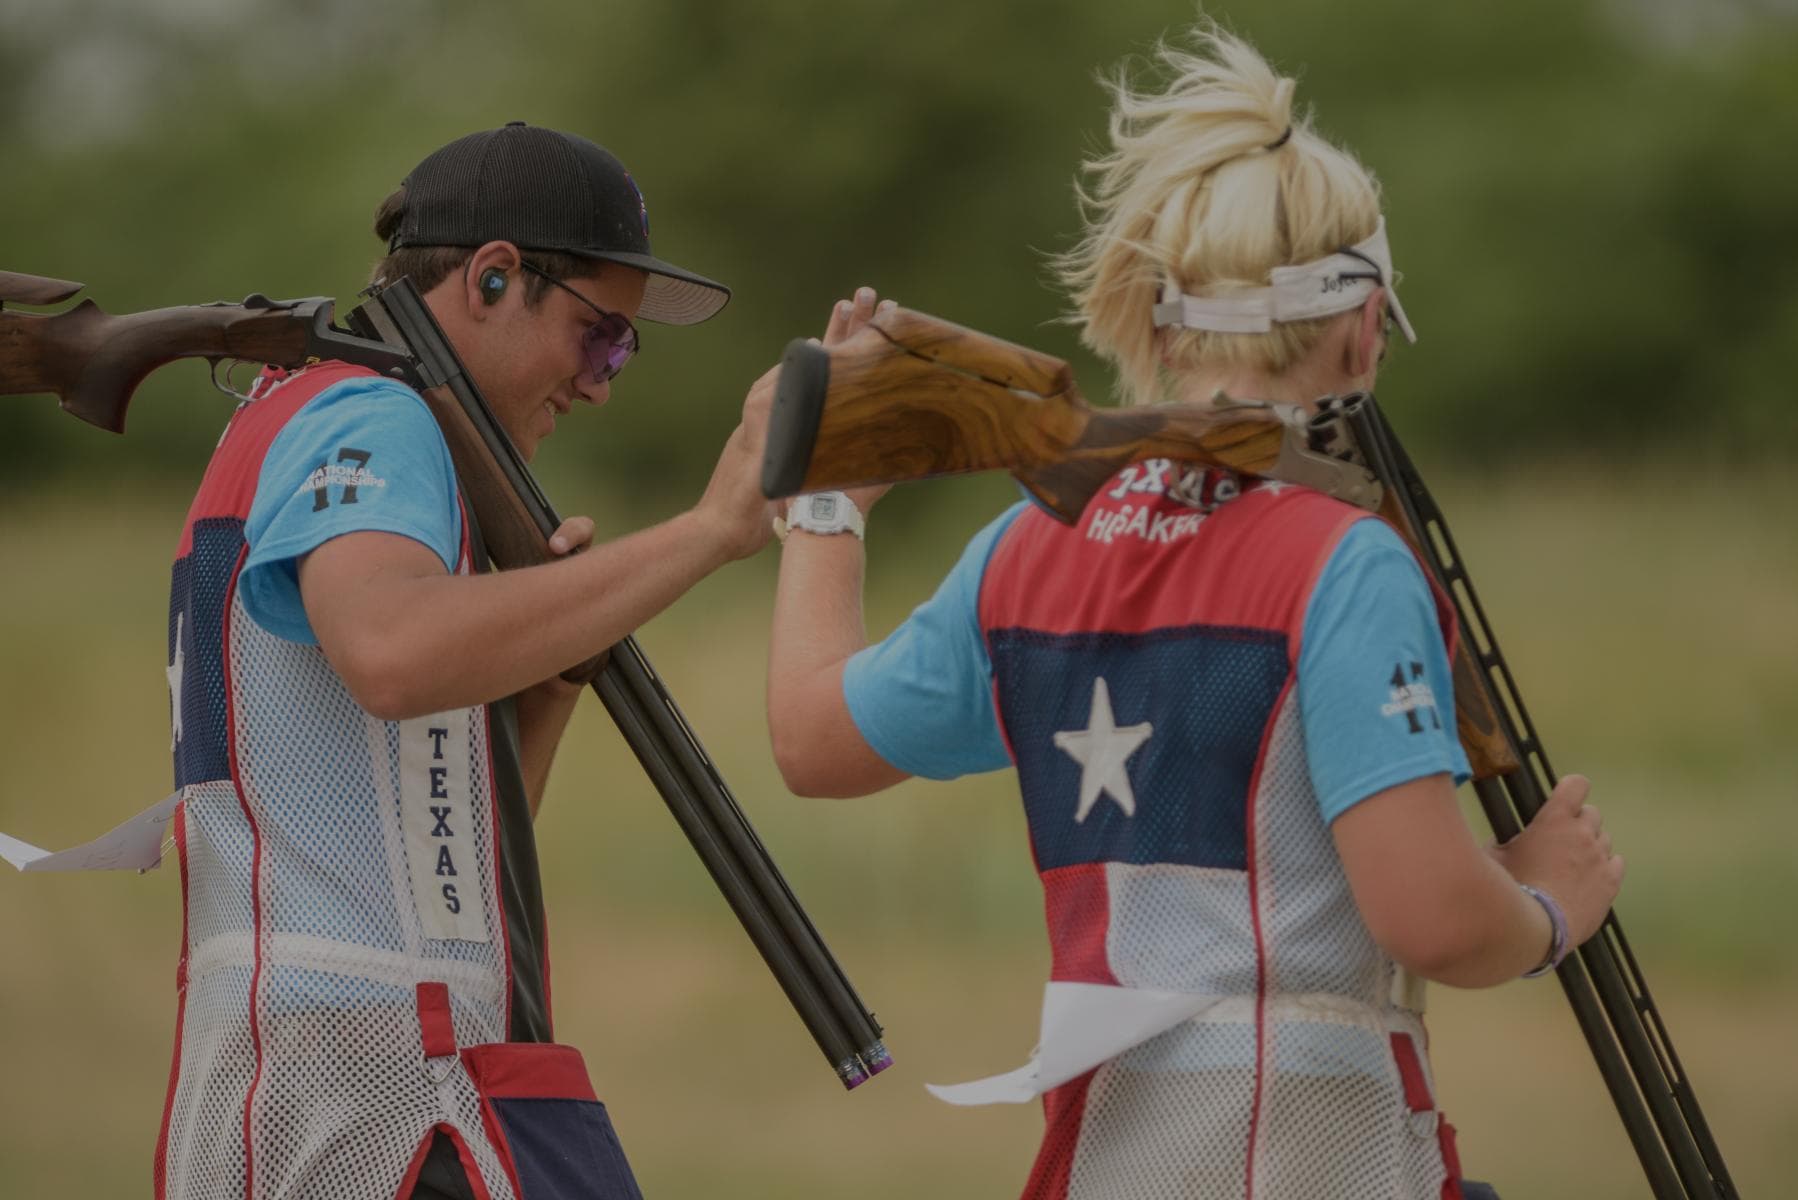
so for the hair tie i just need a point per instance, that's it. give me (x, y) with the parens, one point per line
(1284, 138)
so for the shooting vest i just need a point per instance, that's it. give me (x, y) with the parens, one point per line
(1164, 630)
(345, 979)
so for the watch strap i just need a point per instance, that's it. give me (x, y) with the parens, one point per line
(821, 513)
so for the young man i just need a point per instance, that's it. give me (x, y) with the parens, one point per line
(1228, 703)
(364, 717)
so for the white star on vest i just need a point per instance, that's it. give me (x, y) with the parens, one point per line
(175, 670)
(1101, 750)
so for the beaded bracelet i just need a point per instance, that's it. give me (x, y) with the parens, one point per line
(1558, 947)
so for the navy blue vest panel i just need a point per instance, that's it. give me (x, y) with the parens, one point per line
(1209, 694)
(200, 581)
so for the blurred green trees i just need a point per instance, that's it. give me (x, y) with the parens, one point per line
(1592, 202)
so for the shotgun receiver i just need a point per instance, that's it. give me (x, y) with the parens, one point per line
(93, 362)
(913, 397)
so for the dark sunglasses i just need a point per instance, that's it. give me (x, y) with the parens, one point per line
(609, 342)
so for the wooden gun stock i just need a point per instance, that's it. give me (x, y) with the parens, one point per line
(92, 361)
(507, 526)
(35, 289)
(915, 397)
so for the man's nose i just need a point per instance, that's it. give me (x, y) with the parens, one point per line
(594, 391)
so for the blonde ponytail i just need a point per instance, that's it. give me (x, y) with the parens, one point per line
(1210, 183)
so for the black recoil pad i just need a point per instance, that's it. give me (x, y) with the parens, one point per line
(793, 423)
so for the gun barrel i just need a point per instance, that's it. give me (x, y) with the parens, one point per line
(1603, 983)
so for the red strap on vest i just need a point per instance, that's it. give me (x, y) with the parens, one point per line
(1419, 1100)
(436, 1030)
(1410, 1072)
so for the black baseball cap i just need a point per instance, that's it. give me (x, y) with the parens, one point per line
(541, 189)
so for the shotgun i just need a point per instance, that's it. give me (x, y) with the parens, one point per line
(92, 362)
(913, 397)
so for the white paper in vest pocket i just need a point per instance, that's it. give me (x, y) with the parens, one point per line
(134, 846)
(437, 811)
(1084, 1024)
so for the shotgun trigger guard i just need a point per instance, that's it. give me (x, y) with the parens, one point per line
(230, 365)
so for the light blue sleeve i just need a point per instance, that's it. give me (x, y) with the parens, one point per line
(923, 697)
(1375, 689)
(363, 455)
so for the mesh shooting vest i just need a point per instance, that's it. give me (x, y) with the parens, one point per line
(1217, 874)
(341, 878)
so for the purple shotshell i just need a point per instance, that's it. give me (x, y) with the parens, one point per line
(877, 1058)
(851, 1073)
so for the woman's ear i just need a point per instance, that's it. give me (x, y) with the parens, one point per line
(1367, 345)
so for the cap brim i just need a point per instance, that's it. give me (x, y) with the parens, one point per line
(1398, 315)
(675, 296)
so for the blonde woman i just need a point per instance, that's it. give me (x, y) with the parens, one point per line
(1228, 704)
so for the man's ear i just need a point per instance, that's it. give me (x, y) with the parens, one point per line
(1369, 328)
(479, 291)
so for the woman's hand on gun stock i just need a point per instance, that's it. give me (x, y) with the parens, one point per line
(848, 318)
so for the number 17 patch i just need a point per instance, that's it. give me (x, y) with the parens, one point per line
(1411, 696)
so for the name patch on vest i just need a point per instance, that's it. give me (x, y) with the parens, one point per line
(436, 809)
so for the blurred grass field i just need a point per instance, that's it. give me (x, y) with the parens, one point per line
(1650, 613)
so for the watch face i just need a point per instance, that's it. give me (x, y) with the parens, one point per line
(824, 508)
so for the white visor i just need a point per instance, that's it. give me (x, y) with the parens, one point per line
(1329, 285)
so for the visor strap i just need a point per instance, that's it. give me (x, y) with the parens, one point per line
(1320, 288)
